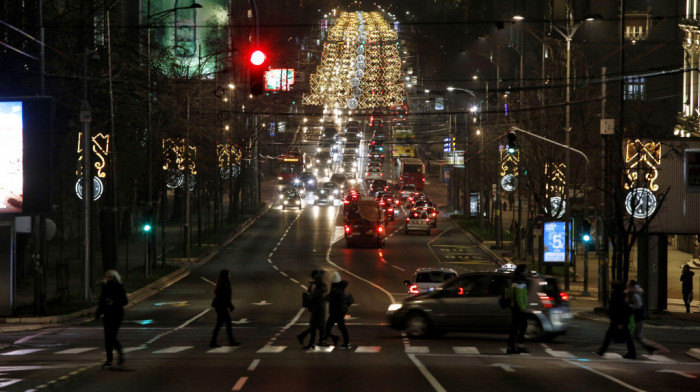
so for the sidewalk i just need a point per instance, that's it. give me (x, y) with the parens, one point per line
(131, 254)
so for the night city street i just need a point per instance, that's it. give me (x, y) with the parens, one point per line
(482, 192)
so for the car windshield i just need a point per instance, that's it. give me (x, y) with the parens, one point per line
(434, 276)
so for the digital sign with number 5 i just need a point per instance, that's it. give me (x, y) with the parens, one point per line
(554, 236)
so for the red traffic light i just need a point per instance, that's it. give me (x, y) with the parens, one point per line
(257, 58)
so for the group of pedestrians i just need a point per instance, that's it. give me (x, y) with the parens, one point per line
(627, 313)
(337, 301)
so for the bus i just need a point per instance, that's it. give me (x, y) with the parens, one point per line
(291, 164)
(410, 171)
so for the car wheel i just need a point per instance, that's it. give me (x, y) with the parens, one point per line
(533, 329)
(417, 325)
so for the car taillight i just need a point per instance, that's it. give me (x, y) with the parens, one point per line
(546, 300)
(427, 220)
(347, 229)
(407, 219)
(391, 209)
(423, 179)
(413, 289)
(380, 229)
(434, 214)
(564, 296)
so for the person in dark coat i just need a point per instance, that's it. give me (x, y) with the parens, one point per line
(111, 306)
(337, 308)
(687, 286)
(222, 305)
(317, 308)
(517, 292)
(619, 313)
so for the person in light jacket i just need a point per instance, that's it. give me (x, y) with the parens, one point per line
(111, 306)
(636, 303)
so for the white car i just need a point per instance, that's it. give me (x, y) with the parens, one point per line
(428, 279)
(417, 220)
(374, 173)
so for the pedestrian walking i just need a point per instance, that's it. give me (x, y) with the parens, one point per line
(223, 306)
(518, 296)
(338, 304)
(111, 306)
(687, 286)
(619, 313)
(639, 313)
(317, 307)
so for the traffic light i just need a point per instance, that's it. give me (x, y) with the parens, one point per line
(586, 231)
(257, 65)
(511, 143)
(147, 228)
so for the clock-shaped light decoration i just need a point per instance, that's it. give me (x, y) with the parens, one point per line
(509, 182)
(640, 203)
(556, 204)
(97, 188)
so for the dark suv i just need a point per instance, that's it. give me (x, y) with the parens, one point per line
(469, 302)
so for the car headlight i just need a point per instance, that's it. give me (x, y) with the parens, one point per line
(297, 202)
(395, 307)
(281, 197)
(285, 202)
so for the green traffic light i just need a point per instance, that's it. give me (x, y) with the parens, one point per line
(586, 238)
(511, 150)
(146, 227)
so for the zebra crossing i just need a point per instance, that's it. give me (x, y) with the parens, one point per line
(279, 349)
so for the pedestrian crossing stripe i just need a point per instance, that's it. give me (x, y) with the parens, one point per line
(23, 351)
(222, 350)
(78, 350)
(466, 350)
(271, 349)
(417, 350)
(173, 350)
(559, 354)
(368, 349)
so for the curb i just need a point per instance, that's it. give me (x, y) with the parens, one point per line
(16, 324)
(134, 298)
(494, 256)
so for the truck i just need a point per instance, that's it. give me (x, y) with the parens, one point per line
(364, 223)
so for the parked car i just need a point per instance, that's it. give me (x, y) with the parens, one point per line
(428, 279)
(470, 302)
(417, 220)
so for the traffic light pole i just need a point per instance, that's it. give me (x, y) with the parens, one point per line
(585, 201)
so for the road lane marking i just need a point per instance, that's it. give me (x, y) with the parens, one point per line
(426, 373)
(559, 354)
(253, 365)
(609, 377)
(239, 384)
(678, 372)
(417, 350)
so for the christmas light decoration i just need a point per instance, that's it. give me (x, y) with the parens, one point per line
(360, 65)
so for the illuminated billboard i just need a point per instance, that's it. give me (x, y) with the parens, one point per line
(196, 36)
(25, 155)
(279, 79)
(11, 160)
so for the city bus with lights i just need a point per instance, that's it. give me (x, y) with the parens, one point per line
(290, 166)
(410, 170)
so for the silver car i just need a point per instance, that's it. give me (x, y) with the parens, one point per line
(428, 279)
(469, 302)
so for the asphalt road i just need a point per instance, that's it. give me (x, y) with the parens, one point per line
(167, 335)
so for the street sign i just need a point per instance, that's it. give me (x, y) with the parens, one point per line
(554, 238)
